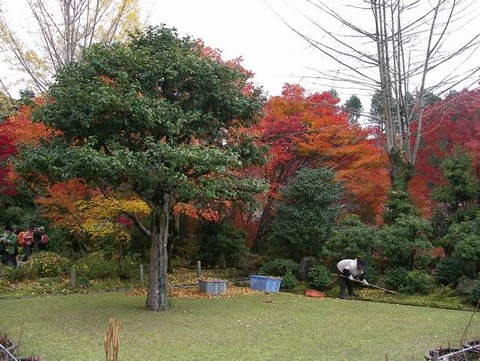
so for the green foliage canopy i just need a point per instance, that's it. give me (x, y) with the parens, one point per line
(158, 116)
(461, 187)
(307, 213)
(352, 239)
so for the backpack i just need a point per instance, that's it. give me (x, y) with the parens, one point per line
(44, 239)
(20, 240)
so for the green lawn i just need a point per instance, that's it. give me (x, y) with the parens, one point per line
(246, 327)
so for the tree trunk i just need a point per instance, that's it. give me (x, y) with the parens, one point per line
(259, 242)
(401, 170)
(157, 298)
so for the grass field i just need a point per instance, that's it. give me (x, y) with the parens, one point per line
(257, 326)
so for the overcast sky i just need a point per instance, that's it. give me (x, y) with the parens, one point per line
(246, 28)
(251, 29)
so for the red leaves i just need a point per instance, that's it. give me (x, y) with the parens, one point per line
(311, 130)
(448, 123)
(15, 132)
(61, 204)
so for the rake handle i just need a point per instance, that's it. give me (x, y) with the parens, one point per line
(374, 286)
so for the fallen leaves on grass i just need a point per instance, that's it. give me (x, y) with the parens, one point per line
(192, 292)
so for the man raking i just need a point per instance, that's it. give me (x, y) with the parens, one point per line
(348, 270)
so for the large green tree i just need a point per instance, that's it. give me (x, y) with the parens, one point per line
(306, 214)
(161, 117)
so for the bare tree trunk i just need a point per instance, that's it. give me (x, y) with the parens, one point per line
(65, 27)
(262, 226)
(407, 42)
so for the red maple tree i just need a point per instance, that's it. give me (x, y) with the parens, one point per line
(304, 130)
(450, 122)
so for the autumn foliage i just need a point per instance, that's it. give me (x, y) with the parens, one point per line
(453, 121)
(310, 131)
(16, 131)
(61, 204)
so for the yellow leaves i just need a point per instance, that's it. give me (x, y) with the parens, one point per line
(134, 205)
(34, 59)
(84, 210)
(101, 207)
(194, 292)
(101, 213)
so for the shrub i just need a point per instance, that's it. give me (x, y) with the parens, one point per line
(395, 277)
(418, 282)
(352, 239)
(289, 281)
(475, 293)
(95, 266)
(307, 211)
(411, 282)
(464, 285)
(128, 268)
(449, 270)
(399, 241)
(371, 274)
(221, 244)
(279, 267)
(14, 274)
(48, 264)
(319, 277)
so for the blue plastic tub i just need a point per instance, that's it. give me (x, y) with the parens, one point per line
(212, 286)
(265, 283)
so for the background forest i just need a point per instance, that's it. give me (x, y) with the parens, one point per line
(155, 150)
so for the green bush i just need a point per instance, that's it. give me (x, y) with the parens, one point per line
(221, 245)
(475, 293)
(289, 281)
(411, 282)
(418, 281)
(13, 274)
(395, 277)
(449, 270)
(95, 266)
(48, 264)
(351, 239)
(399, 242)
(319, 277)
(129, 267)
(279, 267)
(307, 211)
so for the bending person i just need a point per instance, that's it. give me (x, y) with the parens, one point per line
(348, 270)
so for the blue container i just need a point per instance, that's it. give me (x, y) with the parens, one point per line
(213, 286)
(265, 283)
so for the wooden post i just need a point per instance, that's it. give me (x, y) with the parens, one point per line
(141, 273)
(199, 269)
(73, 278)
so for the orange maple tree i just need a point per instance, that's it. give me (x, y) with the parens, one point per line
(61, 204)
(16, 131)
(311, 130)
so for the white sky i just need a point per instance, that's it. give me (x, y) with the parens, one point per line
(246, 28)
(277, 55)
(252, 30)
